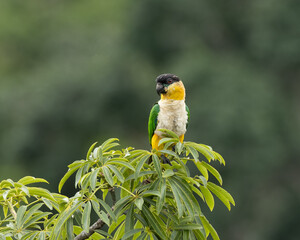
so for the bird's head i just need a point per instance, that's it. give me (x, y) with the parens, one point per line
(169, 86)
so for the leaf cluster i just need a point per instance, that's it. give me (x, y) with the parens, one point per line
(150, 199)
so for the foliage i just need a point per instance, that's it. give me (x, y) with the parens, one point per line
(68, 65)
(150, 200)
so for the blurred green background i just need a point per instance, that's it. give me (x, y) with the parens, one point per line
(76, 72)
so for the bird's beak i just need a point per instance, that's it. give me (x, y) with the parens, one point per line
(160, 89)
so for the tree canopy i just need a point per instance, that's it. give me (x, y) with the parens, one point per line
(74, 72)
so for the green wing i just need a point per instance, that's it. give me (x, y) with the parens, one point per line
(188, 112)
(152, 123)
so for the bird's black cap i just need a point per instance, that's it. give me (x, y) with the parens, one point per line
(163, 78)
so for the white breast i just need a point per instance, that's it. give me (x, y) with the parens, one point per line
(172, 116)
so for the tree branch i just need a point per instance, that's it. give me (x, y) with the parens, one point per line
(84, 235)
(99, 223)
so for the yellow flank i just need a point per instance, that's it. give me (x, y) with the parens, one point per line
(175, 91)
(155, 140)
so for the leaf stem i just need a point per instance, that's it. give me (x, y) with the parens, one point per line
(12, 210)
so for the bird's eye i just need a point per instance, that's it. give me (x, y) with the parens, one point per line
(169, 81)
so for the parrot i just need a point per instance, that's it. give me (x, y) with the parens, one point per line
(170, 112)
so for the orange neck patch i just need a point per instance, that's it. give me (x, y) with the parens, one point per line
(175, 91)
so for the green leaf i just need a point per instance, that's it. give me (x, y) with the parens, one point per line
(95, 205)
(209, 199)
(154, 222)
(27, 236)
(188, 226)
(66, 177)
(204, 151)
(20, 215)
(121, 204)
(202, 169)
(194, 152)
(199, 235)
(35, 218)
(179, 147)
(167, 140)
(85, 221)
(93, 178)
(129, 221)
(209, 227)
(202, 180)
(119, 233)
(85, 181)
(222, 194)
(168, 173)
(221, 197)
(5, 194)
(143, 173)
(76, 163)
(185, 234)
(40, 192)
(186, 188)
(142, 236)
(69, 226)
(196, 190)
(6, 183)
(104, 217)
(168, 133)
(117, 173)
(139, 203)
(168, 152)
(151, 193)
(90, 150)
(220, 158)
(78, 175)
(114, 225)
(100, 155)
(29, 180)
(130, 233)
(42, 236)
(106, 144)
(5, 210)
(30, 212)
(62, 218)
(25, 190)
(108, 209)
(213, 171)
(177, 235)
(156, 163)
(177, 197)
(103, 233)
(162, 196)
(122, 163)
(108, 176)
(186, 196)
(140, 165)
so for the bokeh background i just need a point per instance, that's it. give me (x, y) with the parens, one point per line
(76, 72)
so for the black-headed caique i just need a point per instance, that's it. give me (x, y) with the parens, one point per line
(170, 112)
